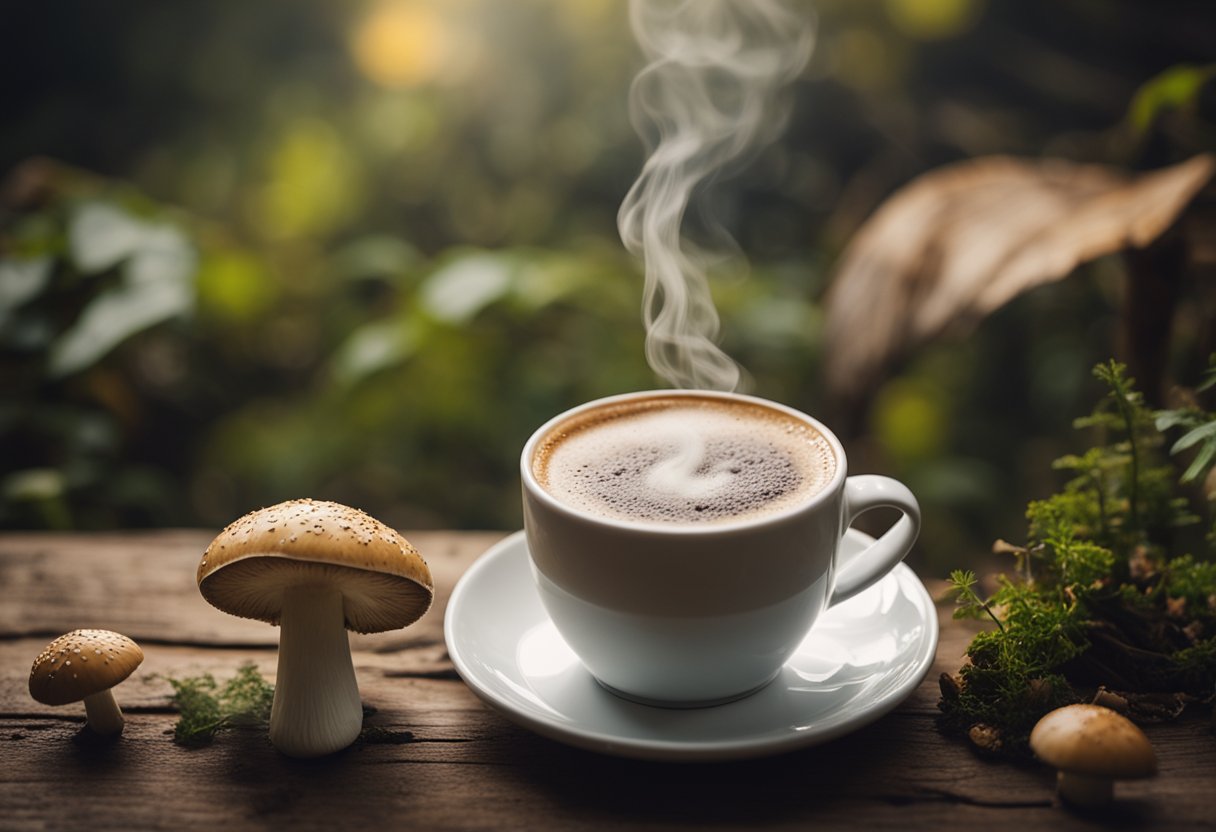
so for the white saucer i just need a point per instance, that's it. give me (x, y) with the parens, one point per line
(862, 658)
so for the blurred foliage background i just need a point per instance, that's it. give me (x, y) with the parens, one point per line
(360, 250)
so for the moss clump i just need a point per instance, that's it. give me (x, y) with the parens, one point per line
(205, 708)
(1096, 599)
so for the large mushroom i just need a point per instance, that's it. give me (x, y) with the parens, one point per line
(316, 569)
(1091, 747)
(84, 665)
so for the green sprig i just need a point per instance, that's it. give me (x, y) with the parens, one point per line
(970, 604)
(1130, 405)
(205, 708)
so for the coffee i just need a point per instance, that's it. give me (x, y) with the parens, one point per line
(683, 460)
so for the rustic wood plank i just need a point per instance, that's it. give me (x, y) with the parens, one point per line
(468, 768)
(464, 766)
(143, 585)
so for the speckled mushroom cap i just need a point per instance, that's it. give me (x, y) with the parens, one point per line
(81, 663)
(384, 582)
(1094, 741)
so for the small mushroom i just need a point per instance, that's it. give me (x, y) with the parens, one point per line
(86, 665)
(1091, 747)
(316, 569)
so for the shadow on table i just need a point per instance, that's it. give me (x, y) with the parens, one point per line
(890, 766)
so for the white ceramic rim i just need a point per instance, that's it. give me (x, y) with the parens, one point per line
(539, 492)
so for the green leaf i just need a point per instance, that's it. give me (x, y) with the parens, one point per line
(156, 285)
(101, 235)
(962, 580)
(1167, 419)
(32, 484)
(22, 280)
(376, 346)
(382, 256)
(1201, 462)
(458, 291)
(1199, 434)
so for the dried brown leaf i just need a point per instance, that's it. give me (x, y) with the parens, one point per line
(963, 240)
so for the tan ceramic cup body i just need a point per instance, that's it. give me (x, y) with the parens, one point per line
(690, 615)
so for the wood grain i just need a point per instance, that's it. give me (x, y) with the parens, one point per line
(457, 764)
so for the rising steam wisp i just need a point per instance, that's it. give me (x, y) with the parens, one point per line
(709, 97)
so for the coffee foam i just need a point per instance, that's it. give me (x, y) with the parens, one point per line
(683, 460)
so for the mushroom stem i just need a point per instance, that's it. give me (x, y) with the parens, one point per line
(316, 706)
(102, 713)
(1085, 790)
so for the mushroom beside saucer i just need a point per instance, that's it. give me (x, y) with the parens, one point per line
(85, 665)
(316, 569)
(1091, 747)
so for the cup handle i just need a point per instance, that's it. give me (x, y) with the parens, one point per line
(862, 493)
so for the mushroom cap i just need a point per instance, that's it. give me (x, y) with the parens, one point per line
(1094, 741)
(383, 579)
(82, 663)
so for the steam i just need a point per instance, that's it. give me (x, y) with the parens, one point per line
(708, 99)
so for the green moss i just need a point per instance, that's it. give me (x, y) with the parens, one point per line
(1095, 598)
(205, 708)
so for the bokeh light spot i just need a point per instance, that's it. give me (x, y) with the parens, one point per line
(933, 19)
(315, 183)
(400, 44)
(910, 421)
(233, 285)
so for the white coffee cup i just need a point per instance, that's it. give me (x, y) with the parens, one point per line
(692, 614)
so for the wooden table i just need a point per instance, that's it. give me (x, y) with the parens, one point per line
(462, 765)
